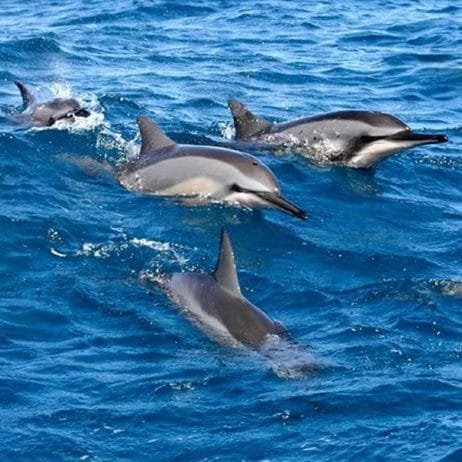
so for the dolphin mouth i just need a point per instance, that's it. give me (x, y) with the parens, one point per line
(82, 112)
(419, 137)
(409, 136)
(280, 203)
(69, 116)
(275, 201)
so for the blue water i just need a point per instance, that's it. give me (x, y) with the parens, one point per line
(96, 363)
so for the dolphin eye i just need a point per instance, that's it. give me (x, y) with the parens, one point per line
(255, 162)
(69, 115)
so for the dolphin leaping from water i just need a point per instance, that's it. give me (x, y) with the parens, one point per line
(48, 113)
(201, 173)
(358, 139)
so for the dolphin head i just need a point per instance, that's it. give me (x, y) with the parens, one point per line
(47, 113)
(59, 109)
(371, 137)
(254, 185)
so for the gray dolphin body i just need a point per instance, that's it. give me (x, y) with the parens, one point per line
(215, 303)
(200, 173)
(358, 139)
(47, 113)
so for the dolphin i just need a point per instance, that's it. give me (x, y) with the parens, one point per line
(200, 173)
(47, 113)
(357, 139)
(215, 303)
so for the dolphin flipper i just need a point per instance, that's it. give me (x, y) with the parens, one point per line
(225, 272)
(152, 137)
(27, 98)
(246, 123)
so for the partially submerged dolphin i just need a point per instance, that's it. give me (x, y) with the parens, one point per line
(200, 173)
(47, 113)
(215, 303)
(358, 139)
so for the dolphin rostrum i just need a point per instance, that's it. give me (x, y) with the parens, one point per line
(47, 113)
(200, 173)
(358, 139)
(215, 303)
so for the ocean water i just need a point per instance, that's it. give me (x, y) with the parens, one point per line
(98, 365)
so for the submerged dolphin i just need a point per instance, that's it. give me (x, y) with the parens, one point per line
(215, 303)
(200, 173)
(358, 139)
(47, 113)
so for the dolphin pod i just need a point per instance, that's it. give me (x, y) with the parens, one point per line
(357, 139)
(48, 113)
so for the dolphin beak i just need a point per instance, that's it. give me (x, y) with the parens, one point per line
(82, 113)
(278, 202)
(419, 138)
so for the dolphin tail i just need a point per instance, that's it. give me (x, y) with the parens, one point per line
(246, 123)
(27, 97)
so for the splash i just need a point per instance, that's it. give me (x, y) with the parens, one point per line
(86, 100)
(321, 152)
(161, 247)
(104, 250)
(448, 288)
(107, 137)
(227, 130)
(156, 277)
(289, 360)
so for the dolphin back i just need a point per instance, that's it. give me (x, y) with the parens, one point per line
(216, 304)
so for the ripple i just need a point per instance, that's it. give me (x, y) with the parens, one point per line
(98, 365)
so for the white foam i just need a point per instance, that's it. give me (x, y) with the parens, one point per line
(161, 247)
(107, 137)
(287, 360)
(448, 288)
(155, 245)
(96, 250)
(227, 130)
(105, 250)
(87, 100)
(56, 253)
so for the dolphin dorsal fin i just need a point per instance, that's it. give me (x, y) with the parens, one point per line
(246, 123)
(152, 137)
(27, 97)
(225, 272)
